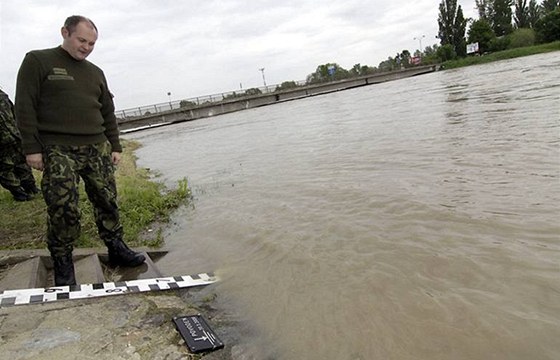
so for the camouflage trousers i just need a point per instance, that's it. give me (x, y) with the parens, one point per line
(64, 166)
(14, 171)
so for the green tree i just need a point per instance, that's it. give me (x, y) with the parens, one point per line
(322, 74)
(521, 15)
(485, 9)
(446, 20)
(405, 58)
(521, 38)
(361, 70)
(501, 17)
(233, 95)
(368, 70)
(452, 25)
(387, 65)
(482, 33)
(253, 92)
(430, 55)
(459, 41)
(534, 13)
(355, 71)
(499, 43)
(446, 52)
(550, 5)
(548, 27)
(497, 13)
(187, 104)
(286, 85)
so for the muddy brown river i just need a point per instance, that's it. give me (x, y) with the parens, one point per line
(414, 219)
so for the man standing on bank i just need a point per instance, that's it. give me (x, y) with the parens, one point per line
(69, 131)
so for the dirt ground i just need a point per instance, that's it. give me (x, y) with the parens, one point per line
(133, 326)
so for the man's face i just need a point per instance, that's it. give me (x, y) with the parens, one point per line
(80, 43)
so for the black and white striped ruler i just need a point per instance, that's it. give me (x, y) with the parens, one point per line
(83, 291)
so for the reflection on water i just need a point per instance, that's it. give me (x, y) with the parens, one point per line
(416, 219)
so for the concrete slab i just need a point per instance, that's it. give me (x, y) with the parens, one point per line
(21, 269)
(132, 326)
(88, 270)
(30, 273)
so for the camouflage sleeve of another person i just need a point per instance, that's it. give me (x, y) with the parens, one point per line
(8, 130)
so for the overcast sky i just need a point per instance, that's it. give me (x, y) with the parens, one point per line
(193, 48)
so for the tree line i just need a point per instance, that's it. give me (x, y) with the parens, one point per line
(502, 24)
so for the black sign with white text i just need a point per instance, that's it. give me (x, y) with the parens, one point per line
(197, 333)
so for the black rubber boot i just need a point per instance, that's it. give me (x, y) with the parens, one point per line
(19, 194)
(64, 270)
(30, 188)
(121, 255)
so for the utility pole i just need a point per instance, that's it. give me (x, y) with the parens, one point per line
(419, 38)
(264, 81)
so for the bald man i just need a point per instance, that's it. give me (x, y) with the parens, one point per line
(69, 131)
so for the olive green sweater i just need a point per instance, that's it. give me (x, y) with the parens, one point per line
(63, 101)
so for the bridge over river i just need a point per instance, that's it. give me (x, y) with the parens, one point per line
(169, 113)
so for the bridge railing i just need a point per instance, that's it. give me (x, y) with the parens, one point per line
(132, 113)
(195, 101)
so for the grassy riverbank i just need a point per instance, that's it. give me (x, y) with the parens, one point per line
(144, 204)
(502, 55)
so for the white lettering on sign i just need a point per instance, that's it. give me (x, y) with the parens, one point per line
(190, 328)
(198, 324)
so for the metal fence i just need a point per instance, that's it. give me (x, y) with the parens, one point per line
(196, 101)
(191, 103)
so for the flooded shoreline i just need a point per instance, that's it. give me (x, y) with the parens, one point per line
(414, 220)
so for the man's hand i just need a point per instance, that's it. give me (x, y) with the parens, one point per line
(35, 161)
(116, 157)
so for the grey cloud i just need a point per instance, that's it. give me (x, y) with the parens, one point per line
(191, 48)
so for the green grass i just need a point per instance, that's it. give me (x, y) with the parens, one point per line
(143, 203)
(502, 55)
